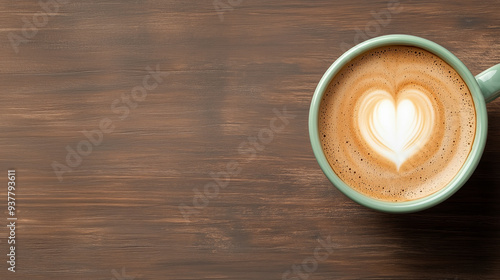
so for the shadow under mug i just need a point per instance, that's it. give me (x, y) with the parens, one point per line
(484, 88)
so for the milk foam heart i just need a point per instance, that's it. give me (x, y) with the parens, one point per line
(396, 127)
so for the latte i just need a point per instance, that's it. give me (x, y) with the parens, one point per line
(397, 123)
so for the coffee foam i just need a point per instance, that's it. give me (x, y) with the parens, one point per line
(397, 123)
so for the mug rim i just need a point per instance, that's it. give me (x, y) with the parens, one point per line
(472, 159)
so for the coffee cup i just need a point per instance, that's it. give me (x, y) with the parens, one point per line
(398, 123)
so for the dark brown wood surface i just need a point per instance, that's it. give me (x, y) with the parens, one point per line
(116, 215)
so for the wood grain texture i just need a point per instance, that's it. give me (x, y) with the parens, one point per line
(120, 207)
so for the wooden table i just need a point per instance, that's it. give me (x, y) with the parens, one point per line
(225, 72)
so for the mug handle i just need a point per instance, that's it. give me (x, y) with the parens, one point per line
(489, 83)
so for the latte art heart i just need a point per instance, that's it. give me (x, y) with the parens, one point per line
(396, 128)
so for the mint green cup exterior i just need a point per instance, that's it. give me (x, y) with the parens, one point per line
(484, 88)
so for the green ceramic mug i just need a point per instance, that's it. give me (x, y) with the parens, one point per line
(485, 87)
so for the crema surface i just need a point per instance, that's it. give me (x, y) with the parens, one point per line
(397, 123)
